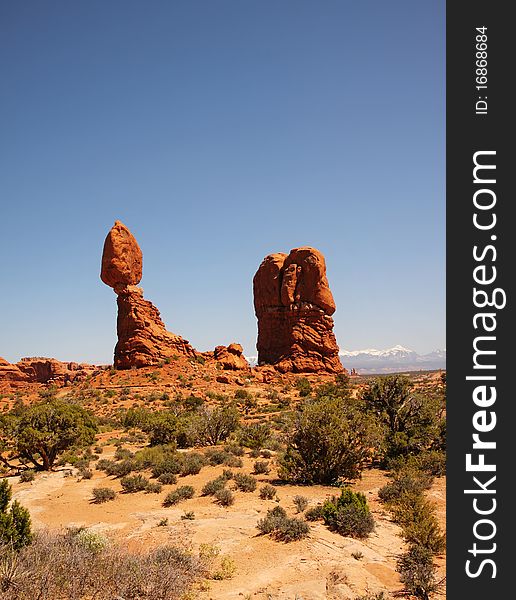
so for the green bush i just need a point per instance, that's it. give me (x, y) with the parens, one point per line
(267, 492)
(303, 387)
(301, 503)
(213, 486)
(85, 473)
(103, 494)
(184, 492)
(329, 439)
(234, 449)
(245, 483)
(348, 514)
(15, 522)
(281, 527)
(417, 572)
(27, 476)
(193, 462)
(315, 513)
(134, 483)
(416, 515)
(407, 481)
(153, 487)
(224, 497)
(261, 467)
(255, 436)
(167, 478)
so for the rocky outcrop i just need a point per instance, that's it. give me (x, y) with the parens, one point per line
(44, 370)
(143, 339)
(231, 357)
(293, 303)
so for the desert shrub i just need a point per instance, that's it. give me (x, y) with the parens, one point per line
(85, 473)
(103, 494)
(282, 527)
(432, 462)
(303, 387)
(188, 515)
(228, 474)
(193, 403)
(153, 487)
(255, 453)
(411, 419)
(407, 481)
(216, 456)
(134, 483)
(15, 522)
(122, 453)
(242, 394)
(315, 513)
(58, 566)
(89, 540)
(163, 427)
(213, 486)
(234, 461)
(261, 467)
(39, 433)
(255, 436)
(417, 572)
(193, 462)
(27, 476)
(266, 454)
(224, 497)
(267, 492)
(416, 515)
(167, 478)
(292, 529)
(245, 483)
(271, 521)
(301, 503)
(214, 425)
(226, 570)
(234, 449)
(372, 596)
(329, 439)
(104, 464)
(348, 514)
(122, 468)
(170, 463)
(184, 492)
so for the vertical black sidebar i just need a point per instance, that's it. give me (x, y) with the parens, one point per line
(481, 335)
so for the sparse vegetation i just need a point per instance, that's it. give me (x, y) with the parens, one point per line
(348, 514)
(15, 521)
(287, 529)
(134, 483)
(82, 569)
(267, 492)
(103, 494)
(261, 467)
(224, 497)
(245, 483)
(301, 503)
(184, 492)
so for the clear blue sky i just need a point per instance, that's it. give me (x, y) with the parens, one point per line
(220, 131)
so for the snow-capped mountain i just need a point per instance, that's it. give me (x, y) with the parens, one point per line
(392, 360)
(397, 358)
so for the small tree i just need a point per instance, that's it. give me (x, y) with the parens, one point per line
(215, 424)
(411, 419)
(40, 433)
(330, 439)
(417, 572)
(15, 523)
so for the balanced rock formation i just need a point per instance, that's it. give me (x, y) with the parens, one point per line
(294, 304)
(142, 337)
(231, 357)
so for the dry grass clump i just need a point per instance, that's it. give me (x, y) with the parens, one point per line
(60, 566)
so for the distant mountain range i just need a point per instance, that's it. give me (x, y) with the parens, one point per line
(391, 360)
